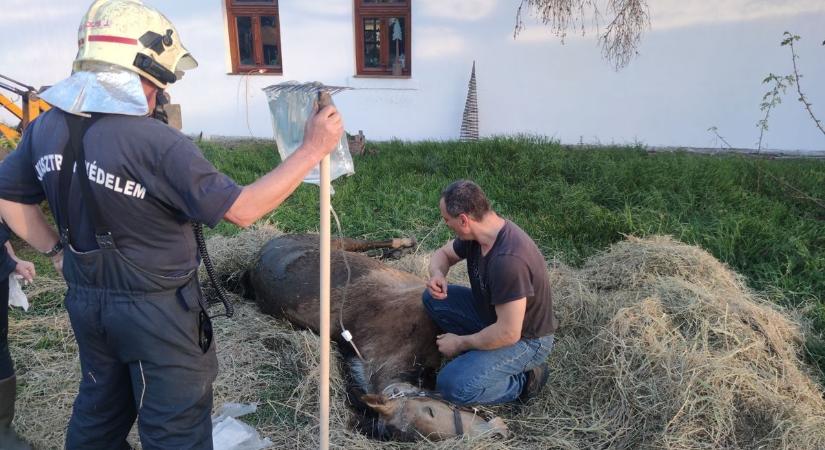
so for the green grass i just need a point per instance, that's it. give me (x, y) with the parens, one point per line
(575, 202)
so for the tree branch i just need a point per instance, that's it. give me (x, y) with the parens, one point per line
(789, 40)
(622, 36)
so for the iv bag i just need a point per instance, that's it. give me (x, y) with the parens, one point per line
(291, 105)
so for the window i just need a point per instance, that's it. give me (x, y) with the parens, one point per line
(254, 36)
(382, 37)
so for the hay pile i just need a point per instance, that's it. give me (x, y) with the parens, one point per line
(661, 346)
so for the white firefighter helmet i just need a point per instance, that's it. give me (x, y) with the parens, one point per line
(132, 35)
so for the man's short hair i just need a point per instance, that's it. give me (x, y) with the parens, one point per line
(465, 197)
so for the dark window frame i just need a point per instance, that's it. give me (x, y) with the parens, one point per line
(382, 11)
(255, 11)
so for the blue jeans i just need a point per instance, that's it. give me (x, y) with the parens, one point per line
(481, 376)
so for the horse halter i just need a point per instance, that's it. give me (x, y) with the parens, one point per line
(458, 423)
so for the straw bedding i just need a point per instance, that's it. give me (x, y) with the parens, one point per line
(661, 346)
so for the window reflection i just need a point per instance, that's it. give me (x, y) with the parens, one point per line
(246, 55)
(372, 42)
(269, 40)
(397, 41)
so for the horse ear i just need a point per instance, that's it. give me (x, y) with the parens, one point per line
(379, 403)
(373, 400)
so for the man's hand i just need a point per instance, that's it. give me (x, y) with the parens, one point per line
(323, 130)
(504, 332)
(449, 344)
(25, 269)
(437, 286)
(440, 263)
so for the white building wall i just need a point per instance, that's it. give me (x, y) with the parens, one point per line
(700, 66)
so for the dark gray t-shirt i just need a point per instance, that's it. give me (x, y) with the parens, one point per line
(149, 180)
(513, 268)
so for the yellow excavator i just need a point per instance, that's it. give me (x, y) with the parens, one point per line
(31, 106)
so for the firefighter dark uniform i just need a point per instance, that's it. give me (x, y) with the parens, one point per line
(130, 263)
(125, 191)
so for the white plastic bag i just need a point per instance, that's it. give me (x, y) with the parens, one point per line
(291, 105)
(16, 295)
(231, 434)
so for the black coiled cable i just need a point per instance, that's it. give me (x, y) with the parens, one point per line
(162, 99)
(210, 271)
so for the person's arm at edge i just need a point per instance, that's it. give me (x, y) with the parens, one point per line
(10, 250)
(264, 195)
(440, 263)
(24, 268)
(28, 223)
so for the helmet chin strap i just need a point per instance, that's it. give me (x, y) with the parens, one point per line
(161, 100)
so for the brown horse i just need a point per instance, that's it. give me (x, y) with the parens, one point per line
(380, 306)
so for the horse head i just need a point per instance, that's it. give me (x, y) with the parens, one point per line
(408, 413)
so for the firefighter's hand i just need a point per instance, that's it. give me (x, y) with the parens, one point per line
(323, 130)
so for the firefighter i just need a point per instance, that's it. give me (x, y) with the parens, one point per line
(124, 223)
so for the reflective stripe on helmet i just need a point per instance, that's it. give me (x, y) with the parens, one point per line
(115, 39)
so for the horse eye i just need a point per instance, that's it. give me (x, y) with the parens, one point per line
(429, 411)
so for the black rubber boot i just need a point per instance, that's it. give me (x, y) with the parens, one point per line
(9, 440)
(536, 379)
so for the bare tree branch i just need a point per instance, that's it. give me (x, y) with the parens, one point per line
(789, 40)
(770, 100)
(621, 37)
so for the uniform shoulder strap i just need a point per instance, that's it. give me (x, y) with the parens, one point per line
(74, 159)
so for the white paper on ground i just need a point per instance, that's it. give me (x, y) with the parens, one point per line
(16, 295)
(231, 434)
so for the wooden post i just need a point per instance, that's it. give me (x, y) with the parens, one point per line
(323, 100)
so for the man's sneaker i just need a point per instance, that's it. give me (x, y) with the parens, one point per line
(536, 379)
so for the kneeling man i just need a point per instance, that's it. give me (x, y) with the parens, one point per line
(499, 331)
